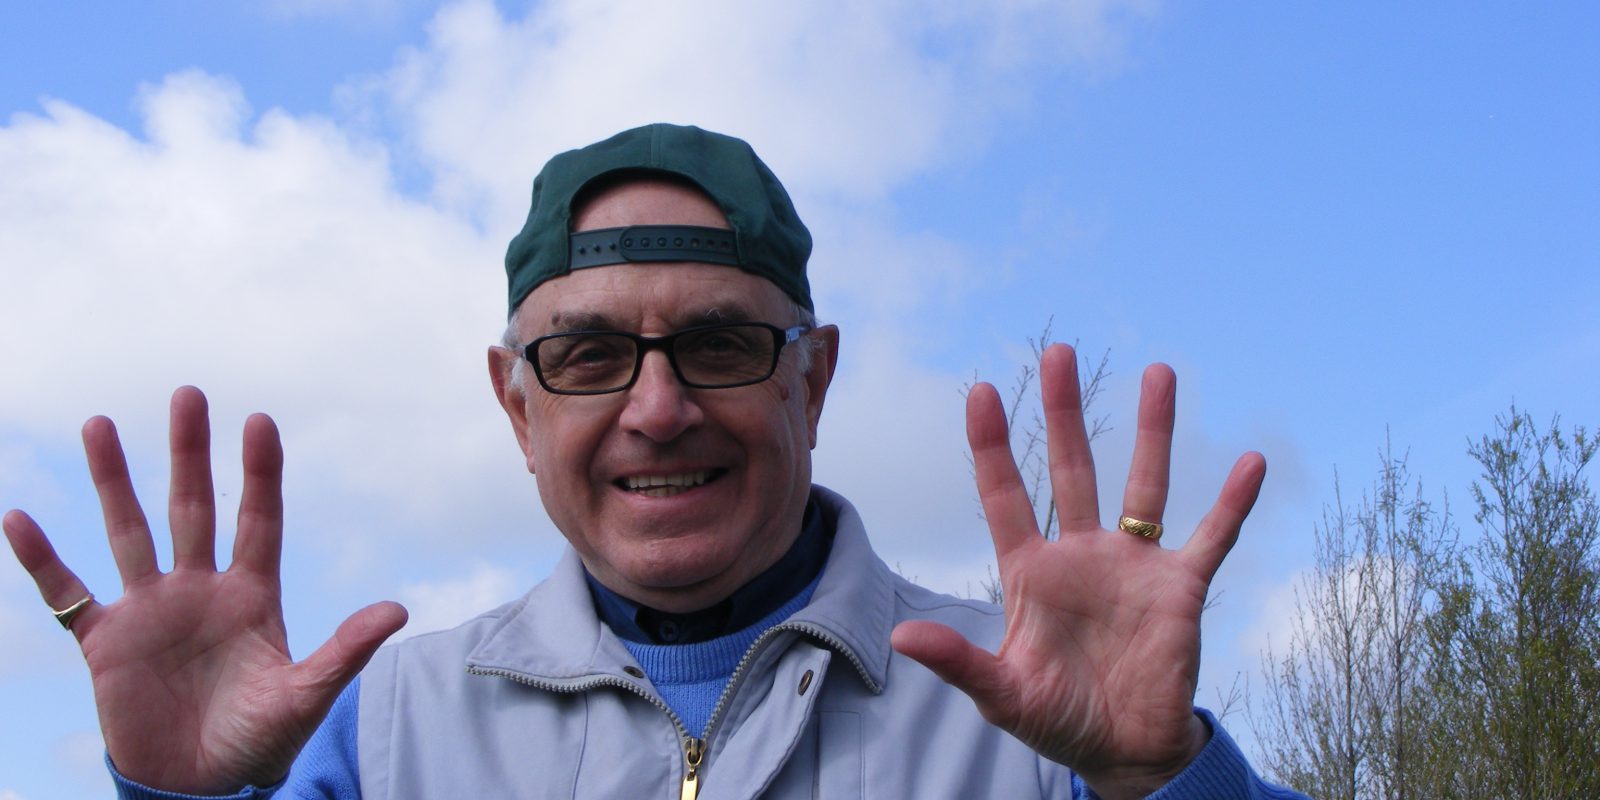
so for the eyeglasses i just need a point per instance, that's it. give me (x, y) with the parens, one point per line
(705, 357)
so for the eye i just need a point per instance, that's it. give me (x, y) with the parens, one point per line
(586, 352)
(732, 344)
(590, 353)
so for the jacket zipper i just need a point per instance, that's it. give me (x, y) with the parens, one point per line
(694, 748)
(693, 751)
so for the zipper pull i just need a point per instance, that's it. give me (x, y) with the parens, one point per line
(693, 751)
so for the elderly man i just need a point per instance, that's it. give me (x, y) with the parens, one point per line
(720, 627)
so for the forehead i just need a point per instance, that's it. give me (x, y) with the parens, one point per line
(652, 298)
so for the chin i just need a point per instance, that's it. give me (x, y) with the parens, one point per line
(680, 562)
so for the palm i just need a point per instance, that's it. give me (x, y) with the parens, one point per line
(203, 659)
(193, 681)
(1098, 666)
(1116, 638)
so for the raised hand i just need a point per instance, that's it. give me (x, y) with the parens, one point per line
(1101, 653)
(193, 681)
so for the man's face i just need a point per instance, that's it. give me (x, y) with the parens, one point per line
(737, 461)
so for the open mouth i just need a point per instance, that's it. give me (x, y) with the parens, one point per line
(669, 484)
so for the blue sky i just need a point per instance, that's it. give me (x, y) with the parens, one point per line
(1334, 221)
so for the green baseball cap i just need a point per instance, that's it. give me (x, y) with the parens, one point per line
(766, 238)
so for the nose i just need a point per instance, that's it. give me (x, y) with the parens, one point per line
(659, 406)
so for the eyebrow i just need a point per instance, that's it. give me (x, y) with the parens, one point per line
(569, 321)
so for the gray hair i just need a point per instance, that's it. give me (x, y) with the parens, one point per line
(808, 346)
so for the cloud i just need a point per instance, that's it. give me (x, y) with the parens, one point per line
(441, 604)
(26, 627)
(846, 100)
(1279, 620)
(290, 263)
(285, 262)
(82, 755)
(275, 259)
(270, 259)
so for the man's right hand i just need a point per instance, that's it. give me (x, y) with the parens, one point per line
(193, 680)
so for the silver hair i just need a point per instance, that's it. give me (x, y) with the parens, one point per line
(808, 346)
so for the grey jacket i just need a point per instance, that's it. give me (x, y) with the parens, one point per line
(538, 699)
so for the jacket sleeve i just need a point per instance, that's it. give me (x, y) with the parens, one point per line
(325, 770)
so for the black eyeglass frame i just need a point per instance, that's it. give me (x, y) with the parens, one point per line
(642, 345)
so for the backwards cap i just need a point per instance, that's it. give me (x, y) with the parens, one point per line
(767, 237)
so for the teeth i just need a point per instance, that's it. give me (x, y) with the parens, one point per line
(666, 485)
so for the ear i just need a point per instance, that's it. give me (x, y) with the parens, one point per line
(511, 396)
(820, 376)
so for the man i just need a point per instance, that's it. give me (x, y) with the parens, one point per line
(720, 626)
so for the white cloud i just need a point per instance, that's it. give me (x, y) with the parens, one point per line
(436, 605)
(843, 99)
(26, 626)
(82, 755)
(11, 794)
(274, 260)
(271, 258)
(1278, 620)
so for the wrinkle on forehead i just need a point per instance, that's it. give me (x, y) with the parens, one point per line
(567, 320)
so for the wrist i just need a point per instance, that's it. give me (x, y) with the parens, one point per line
(1140, 780)
(129, 789)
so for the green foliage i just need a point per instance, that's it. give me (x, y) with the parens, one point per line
(1515, 644)
(1423, 666)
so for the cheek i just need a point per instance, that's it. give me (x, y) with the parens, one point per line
(559, 441)
(787, 426)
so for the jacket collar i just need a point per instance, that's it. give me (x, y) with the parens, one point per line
(553, 636)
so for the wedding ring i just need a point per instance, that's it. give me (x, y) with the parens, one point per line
(66, 615)
(1138, 527)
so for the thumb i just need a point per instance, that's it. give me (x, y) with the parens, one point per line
(325, 672)
(958, 662)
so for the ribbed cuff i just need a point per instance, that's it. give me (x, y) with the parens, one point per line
(1221, 772)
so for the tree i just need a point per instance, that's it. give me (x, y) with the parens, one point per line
(1419, 667)
(1515, 646)
(1339, 714)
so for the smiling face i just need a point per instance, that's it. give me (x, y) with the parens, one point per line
(674, 497)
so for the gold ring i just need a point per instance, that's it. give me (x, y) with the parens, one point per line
(66, 615)
(1138, 527)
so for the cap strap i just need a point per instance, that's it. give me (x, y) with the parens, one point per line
(652, 243)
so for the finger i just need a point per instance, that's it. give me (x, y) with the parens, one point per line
(1220, 529)
(1071, 463)
(325, 672)
(958, 662)
(259, 543)
(57, 584)
(191, 503)
(1145, 497)
(126, 528)
(1005, 501)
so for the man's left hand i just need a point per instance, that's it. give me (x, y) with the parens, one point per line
(1101, 653)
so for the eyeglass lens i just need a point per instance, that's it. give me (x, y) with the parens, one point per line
(711, 357)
